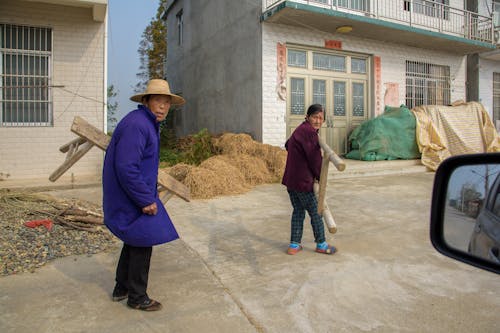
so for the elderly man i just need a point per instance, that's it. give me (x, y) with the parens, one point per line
(132, 209)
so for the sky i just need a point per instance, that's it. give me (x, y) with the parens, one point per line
(127, 20)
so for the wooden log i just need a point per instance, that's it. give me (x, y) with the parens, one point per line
(325, 213)
(323, 178)
(331, 155)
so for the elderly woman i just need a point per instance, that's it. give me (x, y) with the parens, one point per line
(303, 167)
(132, 209)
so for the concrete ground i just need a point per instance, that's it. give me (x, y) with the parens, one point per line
(229, 271)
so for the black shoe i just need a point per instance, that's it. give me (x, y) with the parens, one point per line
(147, 305)
(119, 294)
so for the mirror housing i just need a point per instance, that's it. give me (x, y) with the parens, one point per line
(441, 196)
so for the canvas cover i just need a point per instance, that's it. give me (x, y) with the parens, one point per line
(444, 131)
(388, 136)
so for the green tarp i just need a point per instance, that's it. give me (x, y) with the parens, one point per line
(389, 136)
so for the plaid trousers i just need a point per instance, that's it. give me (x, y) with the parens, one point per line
(302, 202)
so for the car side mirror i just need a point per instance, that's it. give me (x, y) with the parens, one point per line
(465, 210)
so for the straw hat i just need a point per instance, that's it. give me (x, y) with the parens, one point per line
(158, 87)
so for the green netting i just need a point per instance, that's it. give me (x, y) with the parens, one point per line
(389, 136)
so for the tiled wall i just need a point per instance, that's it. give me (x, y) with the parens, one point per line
(78, 66)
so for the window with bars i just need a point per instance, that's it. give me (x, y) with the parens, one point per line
(496, 96)
(25, 71)
(427, 84)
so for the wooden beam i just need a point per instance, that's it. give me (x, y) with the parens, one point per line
(66, 147)
(87, 131)
(74, 154)
(173, 185)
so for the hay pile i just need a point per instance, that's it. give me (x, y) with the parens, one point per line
(240, 164)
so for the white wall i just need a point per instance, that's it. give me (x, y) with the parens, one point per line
(78, 65)
(486, 69)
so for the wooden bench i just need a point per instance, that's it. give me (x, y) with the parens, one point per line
(90, 136)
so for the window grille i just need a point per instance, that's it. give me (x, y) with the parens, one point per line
(496, 96)
(358, 99)
(319, 92)
(297, 58)
(25, 67)
(297, 96)
(329, 62)
(358, 65)
(338, 98)
(427, 84)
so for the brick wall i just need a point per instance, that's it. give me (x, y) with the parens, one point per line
(77, 65)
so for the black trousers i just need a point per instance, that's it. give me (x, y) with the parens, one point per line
(132, 272)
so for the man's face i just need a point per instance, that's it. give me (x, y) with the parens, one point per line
(316, 120)
(159, 105)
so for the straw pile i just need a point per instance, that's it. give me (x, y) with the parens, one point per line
(240, 163)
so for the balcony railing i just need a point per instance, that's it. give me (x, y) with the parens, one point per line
(422, 14)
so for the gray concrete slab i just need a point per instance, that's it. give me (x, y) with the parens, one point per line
(229, 271)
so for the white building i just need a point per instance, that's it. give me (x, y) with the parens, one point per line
(52, 68)
(255, 66)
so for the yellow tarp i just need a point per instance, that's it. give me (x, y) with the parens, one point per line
(444, 131)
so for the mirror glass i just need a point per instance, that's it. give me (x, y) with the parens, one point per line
(472, 211)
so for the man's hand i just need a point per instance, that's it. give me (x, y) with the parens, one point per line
(151, 209)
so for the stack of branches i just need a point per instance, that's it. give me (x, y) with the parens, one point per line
(36, 206)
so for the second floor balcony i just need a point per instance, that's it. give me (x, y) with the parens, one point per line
(419, 23)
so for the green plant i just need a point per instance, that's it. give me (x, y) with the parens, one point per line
(170, 156)
(200, 149)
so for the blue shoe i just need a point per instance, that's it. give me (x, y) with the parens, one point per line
(325, 248)
(293, 248)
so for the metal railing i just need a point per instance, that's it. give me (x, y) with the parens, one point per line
(424, 14)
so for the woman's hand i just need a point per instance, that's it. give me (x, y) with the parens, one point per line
(151, 209)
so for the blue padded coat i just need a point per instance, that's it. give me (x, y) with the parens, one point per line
(129, 182)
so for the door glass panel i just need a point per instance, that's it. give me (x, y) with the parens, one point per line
(297, 58)
(358, 99)
(358, 65)
(297, 105)
(338, 98)
(319, 92)
(328, 62)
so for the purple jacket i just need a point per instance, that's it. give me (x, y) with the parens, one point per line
(129, 182)
(303, 163)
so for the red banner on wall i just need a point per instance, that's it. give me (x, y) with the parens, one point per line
(281, 71)
(378, 85)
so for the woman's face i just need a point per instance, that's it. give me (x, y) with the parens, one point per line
(316, 120)
(159, 105)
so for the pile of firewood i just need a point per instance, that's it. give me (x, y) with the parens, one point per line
(40, 209)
